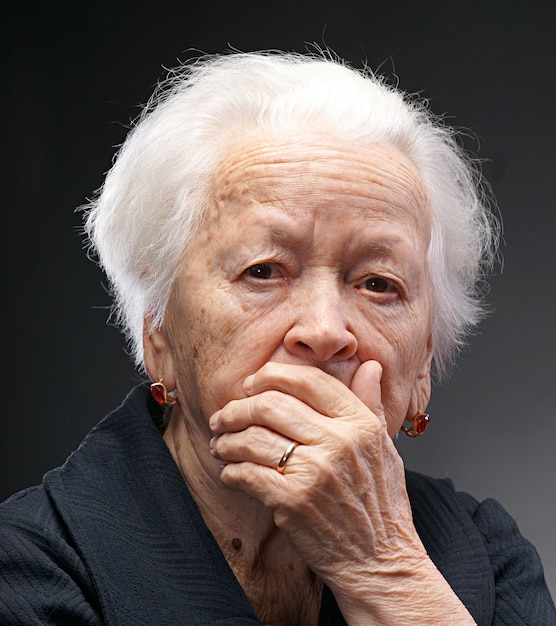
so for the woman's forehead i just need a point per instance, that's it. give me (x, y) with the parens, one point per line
(272, 155)
(314, 173)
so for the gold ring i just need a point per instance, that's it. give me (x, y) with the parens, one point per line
(281, 466)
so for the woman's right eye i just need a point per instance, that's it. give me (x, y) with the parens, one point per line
(261, 270)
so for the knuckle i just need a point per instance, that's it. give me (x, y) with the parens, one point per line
(257, 437)
(227, 415)
(268, 403)
(266, 372)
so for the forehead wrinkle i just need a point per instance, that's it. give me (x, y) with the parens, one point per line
(252, 155)
(372, 245)
(384, 196)
(308, 203)
(386, 183)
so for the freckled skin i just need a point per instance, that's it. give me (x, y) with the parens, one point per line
(333, 199)
(312, 253)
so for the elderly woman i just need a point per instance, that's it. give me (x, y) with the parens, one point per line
(291, 244)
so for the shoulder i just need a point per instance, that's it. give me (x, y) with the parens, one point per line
(438, 498)
(46, 575)
(42, 577)
(480, 550)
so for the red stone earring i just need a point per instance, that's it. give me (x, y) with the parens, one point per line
(161, 395)
(420, 423)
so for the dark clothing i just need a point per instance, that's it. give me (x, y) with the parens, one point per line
(114, 537)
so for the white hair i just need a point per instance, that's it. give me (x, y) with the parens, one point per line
(155, 196)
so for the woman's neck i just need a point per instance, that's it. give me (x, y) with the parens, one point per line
(228, 514)
(276, 581)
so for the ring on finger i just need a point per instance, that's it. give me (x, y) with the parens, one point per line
(287, 453)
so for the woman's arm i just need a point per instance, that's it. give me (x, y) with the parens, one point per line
(342, 498)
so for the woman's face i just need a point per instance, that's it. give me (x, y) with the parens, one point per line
(312, 252)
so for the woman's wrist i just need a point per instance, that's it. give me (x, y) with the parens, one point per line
(413, 593)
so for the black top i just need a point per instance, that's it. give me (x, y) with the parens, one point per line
(114, 537)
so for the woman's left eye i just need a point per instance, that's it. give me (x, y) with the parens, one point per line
(379, 284)
(261, 270)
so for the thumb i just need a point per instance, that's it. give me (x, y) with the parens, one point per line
(366, 385)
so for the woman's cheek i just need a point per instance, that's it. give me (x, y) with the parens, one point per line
(226, 354)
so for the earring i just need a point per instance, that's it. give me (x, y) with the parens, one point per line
(420, 423)
(161, 395)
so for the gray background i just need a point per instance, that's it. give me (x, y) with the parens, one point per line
(73, 77)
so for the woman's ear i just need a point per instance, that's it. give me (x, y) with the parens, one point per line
(158, 355)
(422, 387)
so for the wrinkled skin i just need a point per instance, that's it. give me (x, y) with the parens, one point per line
(302, 313)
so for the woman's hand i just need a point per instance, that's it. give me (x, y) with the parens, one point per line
(342, 498)
(342, 494)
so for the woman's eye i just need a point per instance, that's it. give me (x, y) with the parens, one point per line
(261, 270)
(379, 284)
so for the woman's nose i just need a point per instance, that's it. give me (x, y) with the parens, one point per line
(321, 332)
